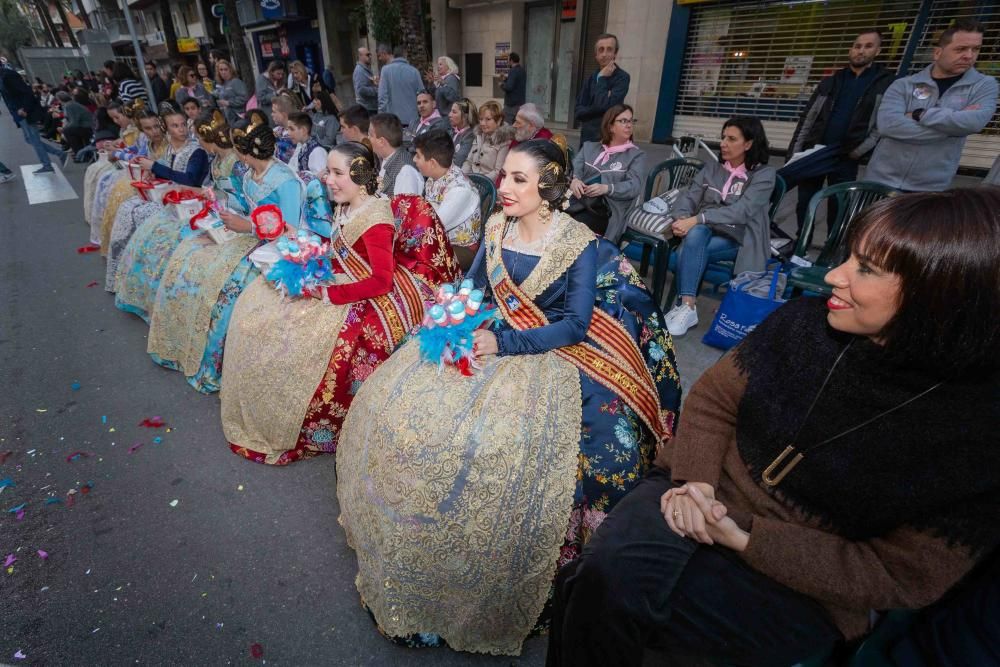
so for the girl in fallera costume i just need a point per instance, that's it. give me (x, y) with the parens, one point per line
(292, 366)
(199, 289)
(106, 164)
(183, 162)
(461, 495)
(148, 252)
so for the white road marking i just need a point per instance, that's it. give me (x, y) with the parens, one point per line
(46, 188)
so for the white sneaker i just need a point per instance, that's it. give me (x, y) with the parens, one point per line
(680, 319)
(7, 178)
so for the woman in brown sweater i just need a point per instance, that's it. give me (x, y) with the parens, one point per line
(842, 459)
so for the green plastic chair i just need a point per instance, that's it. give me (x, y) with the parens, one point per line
(720, 273)
(679, 174)
(487, 195)
(852, 198)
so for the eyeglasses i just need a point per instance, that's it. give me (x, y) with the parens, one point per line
(626, 121)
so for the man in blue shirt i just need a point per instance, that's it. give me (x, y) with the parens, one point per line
(601, 91)
(398, 85)
(838, 118)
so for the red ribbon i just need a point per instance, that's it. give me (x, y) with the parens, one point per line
(177, 196)
(268, 223)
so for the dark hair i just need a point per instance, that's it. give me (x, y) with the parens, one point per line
(945, 248)
(356, 116)
(870, 31)
(300, 119)
(399, 52)
(183, 72)
(257, 138)
(554, 169)
(959, 25)
(752, 130)
(211, 126)
(63, 96)
(388, 127)
(82, 97)
(436, 145)
(361, 162)
(192, 100)
(607, 35)
(108, 64)
(609, 119)
(276, 65)
(514, 58)
(121, 71)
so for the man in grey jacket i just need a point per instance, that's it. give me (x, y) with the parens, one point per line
(925, 118)
(365, 86)
(398, 85)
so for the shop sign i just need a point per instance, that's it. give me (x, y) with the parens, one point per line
(187, 45)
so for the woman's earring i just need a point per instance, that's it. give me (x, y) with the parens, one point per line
(545, 213)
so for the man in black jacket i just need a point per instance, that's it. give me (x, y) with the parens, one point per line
(514, 84)
(602, 90)
(840, 118)
(28, 115)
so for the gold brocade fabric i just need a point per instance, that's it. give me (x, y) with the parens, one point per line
(189, 290)
(277, 352)
(456, 491)
(121, 191)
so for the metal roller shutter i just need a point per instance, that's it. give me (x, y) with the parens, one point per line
(764, 58)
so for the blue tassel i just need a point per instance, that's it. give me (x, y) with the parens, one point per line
(292, 277)
(448, 344)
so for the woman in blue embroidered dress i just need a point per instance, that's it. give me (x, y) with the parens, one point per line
(148, 252)
(184, 163)
(462, 495)
(200, 286)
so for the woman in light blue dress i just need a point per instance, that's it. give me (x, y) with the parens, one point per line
(148, 252)
(203, 279)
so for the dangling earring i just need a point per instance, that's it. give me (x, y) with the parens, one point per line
(545, 213)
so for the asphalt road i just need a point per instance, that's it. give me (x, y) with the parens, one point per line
(178, 551)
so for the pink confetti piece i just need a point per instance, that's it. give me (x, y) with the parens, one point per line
(10, 560)
(77, 455)
(44, 555)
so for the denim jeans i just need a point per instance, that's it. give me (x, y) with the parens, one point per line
(32, 136)
(639, 585)
(700, 247)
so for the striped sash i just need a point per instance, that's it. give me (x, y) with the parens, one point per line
(402, 309)
(614, 362)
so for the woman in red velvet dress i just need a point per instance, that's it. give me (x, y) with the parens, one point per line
(292, 366)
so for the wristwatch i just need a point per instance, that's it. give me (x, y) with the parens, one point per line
(917, 113)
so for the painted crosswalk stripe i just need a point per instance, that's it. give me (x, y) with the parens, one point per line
(46, 188)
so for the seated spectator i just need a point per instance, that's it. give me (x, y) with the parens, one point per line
(192, 110)
(78, 123)
(282, 106)
(129, 87)
(612, 168)
(106, 127)
(529, 124)
(832, 463)
(308, 155)
(462, 118)
(450, 193)
(723, 215)
(429, 118)
(397, 175)
(491, 141)
(354, 122)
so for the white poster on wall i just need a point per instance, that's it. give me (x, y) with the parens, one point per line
(796, 70)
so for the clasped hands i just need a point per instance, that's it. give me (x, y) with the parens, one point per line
(692, 511)
(580, 190)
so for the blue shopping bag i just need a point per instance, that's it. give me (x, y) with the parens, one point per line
(744, 307)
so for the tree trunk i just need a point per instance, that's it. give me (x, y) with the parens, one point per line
(411, 25)
(169, 32)
(238, 45)
(66, 26)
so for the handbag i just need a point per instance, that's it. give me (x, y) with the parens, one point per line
(653, 218)
(752, 296)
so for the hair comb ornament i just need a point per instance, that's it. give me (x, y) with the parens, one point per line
(361, 170)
